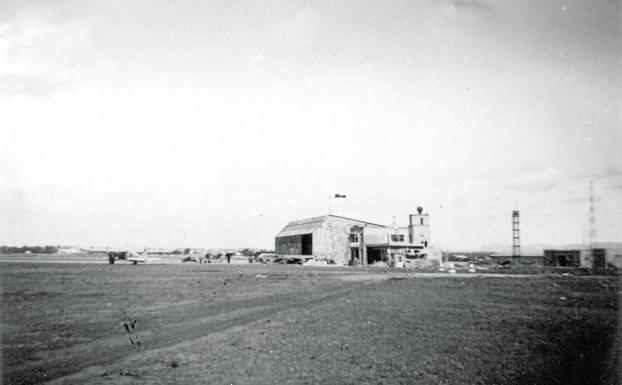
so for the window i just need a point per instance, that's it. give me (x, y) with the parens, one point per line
(354, 238)
(397, 237)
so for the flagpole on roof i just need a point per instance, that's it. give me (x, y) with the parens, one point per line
(330, 197)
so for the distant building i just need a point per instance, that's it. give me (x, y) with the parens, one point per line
(68, 250)
(352, 241)
(530, 259)
(598, 257)
(563, 257)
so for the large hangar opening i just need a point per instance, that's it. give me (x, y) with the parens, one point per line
(299, 237)
(306, 241)
(300, 244)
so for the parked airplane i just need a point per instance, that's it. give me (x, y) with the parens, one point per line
(130, 256)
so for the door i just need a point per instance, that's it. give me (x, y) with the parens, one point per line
(598, 258)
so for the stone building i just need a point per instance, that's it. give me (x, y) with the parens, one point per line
(325, 237)
(350, 241)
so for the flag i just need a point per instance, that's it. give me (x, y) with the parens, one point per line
(340, 196)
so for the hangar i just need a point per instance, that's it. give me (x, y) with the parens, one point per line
(351, 241)
(325, 237)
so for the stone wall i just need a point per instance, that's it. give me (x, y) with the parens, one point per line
(332, 240)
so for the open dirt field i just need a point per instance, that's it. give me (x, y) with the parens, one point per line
(252, 324)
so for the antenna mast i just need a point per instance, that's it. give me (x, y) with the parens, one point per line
(592, 229)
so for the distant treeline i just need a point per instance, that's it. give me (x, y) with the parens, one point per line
(32, 249)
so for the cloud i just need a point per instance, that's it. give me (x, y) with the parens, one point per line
(255, 61)
(471, 4)
(452, 9)
(582, 200)
(27, 85)
(539, 180)
(609, 173)
(298, 31)
(38, 54)
(15, 207)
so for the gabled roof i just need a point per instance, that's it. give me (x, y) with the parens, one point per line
(309, 225)
(356, 220)
(304, 226)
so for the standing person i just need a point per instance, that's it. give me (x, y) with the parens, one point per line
(228, 258)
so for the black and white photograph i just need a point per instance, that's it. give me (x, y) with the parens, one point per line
(311, 192)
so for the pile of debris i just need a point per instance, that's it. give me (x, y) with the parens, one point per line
(379, 264)
(315, 262)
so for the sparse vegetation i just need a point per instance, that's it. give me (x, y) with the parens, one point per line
(29, 249)
(130, 328)
(290, 324)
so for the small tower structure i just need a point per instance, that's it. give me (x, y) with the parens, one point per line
(515, 235)
(419, 228)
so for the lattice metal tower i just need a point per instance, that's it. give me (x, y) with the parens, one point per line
(515, 234)
(592, 228)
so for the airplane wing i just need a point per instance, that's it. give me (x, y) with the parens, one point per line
(135, 257)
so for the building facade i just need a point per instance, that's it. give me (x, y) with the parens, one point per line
(349, 241)
(530, 259)
(392, 245)
(596, 258)
(325, 237)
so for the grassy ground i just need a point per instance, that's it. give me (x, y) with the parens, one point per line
(287, 324)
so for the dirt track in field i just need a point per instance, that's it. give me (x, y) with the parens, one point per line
(283, 324)
(71, 316)
(195, 325)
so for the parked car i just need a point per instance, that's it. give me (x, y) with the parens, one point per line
(295, 261)
(190, 258)
(266, 258)
(505, 264)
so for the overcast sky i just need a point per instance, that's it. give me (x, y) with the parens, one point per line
(214, 123)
